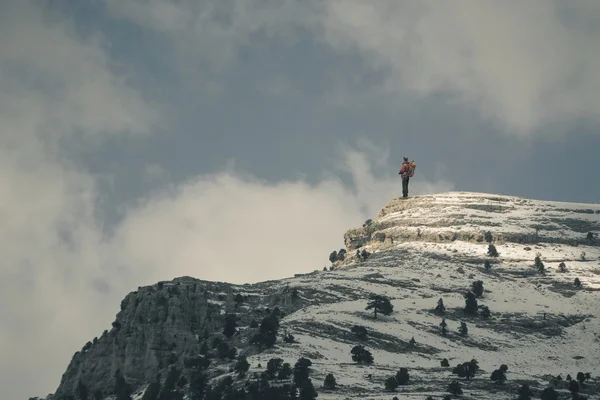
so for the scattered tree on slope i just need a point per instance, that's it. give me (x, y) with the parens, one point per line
(230, 327)
(361, 355)
(466, 370)
(440, 309)
(470, 303)
(477, 288)
(359, 331)
(492, 252)
(463, 330)
(455, 388)
(380, 304)
(329, 382)
(525, 392)
(499, 375)
(402, 377)
(443, 324)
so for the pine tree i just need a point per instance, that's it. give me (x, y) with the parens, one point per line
(307, 391)
(403, 377)
(391, 384)
(239, 299)
(487, 265)
(525, 392)
(562, 267)
(549, 394)
(333, 256)
(230, 327)
(455, 388)
(241, 366)
(380, 304)
(463, 330)
(330, 382)
(440, 309)
(539, 265)
(285, 372)
(470, 303)
(488, 236)
(273, 366)
(443, 324)
(499, 375)
(361, 355)
(492, 252)
(359, 331)
(477, 288)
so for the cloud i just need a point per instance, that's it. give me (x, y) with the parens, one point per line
(519, 64)
(236, 228)
(522, 66)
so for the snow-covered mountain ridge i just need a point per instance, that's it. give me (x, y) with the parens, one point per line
(418, 250)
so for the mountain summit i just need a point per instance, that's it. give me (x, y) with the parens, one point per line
(485, 295)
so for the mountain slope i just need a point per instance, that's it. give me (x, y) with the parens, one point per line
(419, 250)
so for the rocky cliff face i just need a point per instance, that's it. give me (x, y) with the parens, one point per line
(417, 251)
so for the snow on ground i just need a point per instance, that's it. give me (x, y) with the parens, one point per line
(528, 309)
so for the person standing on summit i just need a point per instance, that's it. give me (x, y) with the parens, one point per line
(407, 170)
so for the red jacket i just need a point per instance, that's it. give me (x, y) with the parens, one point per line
(404, 168)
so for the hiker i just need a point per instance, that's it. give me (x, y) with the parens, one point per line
(406, 172)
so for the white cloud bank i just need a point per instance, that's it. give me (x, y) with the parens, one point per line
(61, 277)
(520, 65)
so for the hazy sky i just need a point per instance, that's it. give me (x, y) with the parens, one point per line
(237, 140)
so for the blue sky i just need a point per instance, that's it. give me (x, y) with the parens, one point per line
(144, 140)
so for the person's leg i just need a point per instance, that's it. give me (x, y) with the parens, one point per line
(404, 187)
(407, 180)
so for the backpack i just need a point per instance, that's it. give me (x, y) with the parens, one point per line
(411, 170)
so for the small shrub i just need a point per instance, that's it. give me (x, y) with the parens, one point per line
(289, 338)
(562, 267)
(487, 265)
(492, 251)
(577, 282)
(445, 363)
(582, 256)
